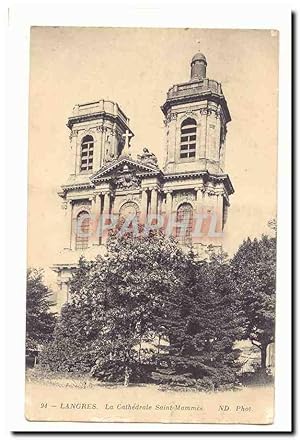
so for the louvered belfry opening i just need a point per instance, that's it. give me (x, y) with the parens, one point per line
(87, 152)
(188, 138)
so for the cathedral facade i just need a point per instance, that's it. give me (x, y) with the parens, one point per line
(188, 196)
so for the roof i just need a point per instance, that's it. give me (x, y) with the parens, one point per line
(199, 57)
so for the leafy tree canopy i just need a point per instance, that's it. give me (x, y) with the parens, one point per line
(254, 272)
(40, 322)
(148, 289)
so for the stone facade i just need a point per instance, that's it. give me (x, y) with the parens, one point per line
(108, 181)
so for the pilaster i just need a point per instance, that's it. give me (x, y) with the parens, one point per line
(95, 218)
(199, 199)
(153, 203)
(169, 202)
(68, 204)
(144, 205)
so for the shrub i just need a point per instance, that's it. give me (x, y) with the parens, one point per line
(66, 356)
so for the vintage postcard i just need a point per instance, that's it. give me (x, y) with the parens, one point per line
(151, 282)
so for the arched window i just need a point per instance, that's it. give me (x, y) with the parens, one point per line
(82, 230)
(188, 138)
(87, 151)
(185, 218)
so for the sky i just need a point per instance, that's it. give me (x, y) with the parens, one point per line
(135, 67)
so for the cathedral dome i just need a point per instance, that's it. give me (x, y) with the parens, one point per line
(199, 57)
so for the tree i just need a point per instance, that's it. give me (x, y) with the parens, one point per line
(151, 272)
(203, 328)
(40, 322)
(254, 271)
(148, 290)
(79, 333)
(115, 302)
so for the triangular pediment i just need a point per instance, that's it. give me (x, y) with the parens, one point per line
(124, 164)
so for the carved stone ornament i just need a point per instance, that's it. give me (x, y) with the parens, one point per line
(184, 195)
(210, 192)
(88, 131)
(130, 198)
(210, 111)
(126, 179)
(204, 111)
(110, 158)
(171, 117)
(73, 133)
(148, 158)
(189, 113)
(82, 204)
(218, 114)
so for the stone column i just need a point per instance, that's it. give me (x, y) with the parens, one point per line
(114, 141)
(201, 142)
(97, 147)
(214, 221)
(64, 295)
(63, 283)
(95, 214)
(74, 147)
(218, 135)
(69, 224)
(171, 141)
(105, 213)
(102, 145)
(144, 205)
(159, 202)
(169, 202)
(153, 209)
(199, 153)
(218, 208)
(199, 198)
(223, 131)
(106, 203)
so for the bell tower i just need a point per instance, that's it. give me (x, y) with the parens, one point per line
(97, 134)
(196, 117)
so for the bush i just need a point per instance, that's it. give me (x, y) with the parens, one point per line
(205, 384)
(66, 356)
(258, 377)
(113, 371)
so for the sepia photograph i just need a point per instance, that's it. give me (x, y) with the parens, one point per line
(152, 225)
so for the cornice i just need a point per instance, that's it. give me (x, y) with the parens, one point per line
(94, 116)
(163, 178)
(207, 94)
(74, 186)
(142, 170)
(224, 178)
